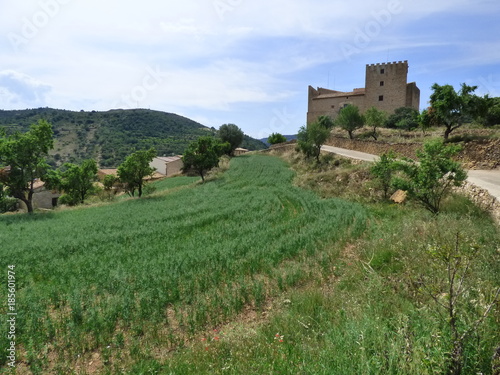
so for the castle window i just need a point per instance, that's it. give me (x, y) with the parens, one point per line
(381, 83)
(382, 71)
(333, 106)
(381, 98)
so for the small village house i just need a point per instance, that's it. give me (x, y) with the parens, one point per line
(240, 151)
(167, 165)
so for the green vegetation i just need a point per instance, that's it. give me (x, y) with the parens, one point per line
(204, 154)
(311, 138)
(135, 169)
(250, 274)
(431, 179)
(144, 274)
(76, 181)
(25, 154)
(384, 170)
(276, 138)
(452, 109)
(349, 119)
(109, 137)
(403, 118)
(375, 118)
(231, 134)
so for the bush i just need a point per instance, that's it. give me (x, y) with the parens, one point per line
(275, 138)
(7, 204)
(403, 118)
(431, 179)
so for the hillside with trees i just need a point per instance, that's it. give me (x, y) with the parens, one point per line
(110, 136)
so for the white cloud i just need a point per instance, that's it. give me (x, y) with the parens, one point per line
(18, 89)
(221, 55)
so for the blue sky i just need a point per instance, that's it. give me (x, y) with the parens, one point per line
(235, 61)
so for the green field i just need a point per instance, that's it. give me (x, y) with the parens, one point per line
(134, 280)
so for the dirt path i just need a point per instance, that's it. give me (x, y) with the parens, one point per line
(485, 179)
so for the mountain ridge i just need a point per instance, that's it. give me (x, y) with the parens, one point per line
(109, 136)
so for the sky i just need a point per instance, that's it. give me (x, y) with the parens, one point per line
(235, 61)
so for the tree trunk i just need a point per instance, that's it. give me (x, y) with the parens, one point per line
(140, 190)
(456, 359)
(350, 134)
(447, 132)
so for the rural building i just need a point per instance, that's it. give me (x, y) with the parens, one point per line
(167, 165)
(42, 197)
(386, 88)
(240, 151)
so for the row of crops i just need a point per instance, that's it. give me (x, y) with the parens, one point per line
(114, 275)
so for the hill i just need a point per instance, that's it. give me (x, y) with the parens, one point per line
(110, 136)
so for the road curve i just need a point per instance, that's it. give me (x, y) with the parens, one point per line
(486, 179)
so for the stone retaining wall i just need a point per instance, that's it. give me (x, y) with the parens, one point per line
(474, 155)
(482, 198)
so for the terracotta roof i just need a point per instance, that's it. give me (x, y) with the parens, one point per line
(356, 92)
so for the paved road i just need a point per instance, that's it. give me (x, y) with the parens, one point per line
(487, 179)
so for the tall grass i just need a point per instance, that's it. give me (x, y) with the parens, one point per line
(128, 278)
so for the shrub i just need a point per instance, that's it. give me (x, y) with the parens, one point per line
(431, 179)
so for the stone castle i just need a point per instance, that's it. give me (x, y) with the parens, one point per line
(386, 88)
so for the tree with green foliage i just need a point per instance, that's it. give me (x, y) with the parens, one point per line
(405, 118)
(76, 181)
(383, 170)
(275, 138)
(431, 179)
(350, 119)
(109, 181)
(203, 155)
(25, 154)
(134, 169)
(311, 138)
(6, 203)
(326, 121)
(452, 109)
(375, 118)
(425, 119)
(491, 116)
(232, 134)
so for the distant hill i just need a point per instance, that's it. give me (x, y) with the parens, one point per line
(288, 138)
(112, 135)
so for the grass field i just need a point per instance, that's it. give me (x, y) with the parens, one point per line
(122, 286)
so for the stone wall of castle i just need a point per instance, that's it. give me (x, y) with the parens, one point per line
(386, 88)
